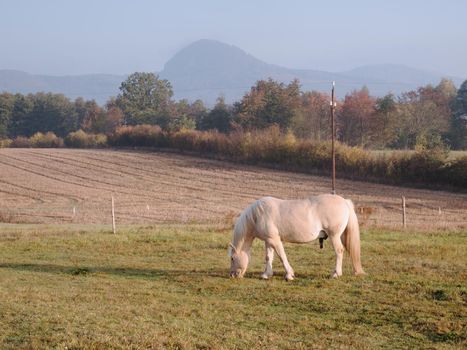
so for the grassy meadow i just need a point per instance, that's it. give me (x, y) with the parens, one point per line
(167, 286)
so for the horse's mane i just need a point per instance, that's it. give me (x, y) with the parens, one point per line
(245, 222)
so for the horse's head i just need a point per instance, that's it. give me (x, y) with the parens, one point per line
(238, 262)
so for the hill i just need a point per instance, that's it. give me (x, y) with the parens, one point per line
(207, 68)
(90, 86)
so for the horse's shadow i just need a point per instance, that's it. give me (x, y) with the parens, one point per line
(87, 270)
(83, 270)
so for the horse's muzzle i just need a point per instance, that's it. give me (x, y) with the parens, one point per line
(236, 274)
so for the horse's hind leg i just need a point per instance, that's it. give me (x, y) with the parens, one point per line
(269, 257)
(276, 243)
(339, 250)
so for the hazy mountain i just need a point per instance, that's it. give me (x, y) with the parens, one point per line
(207, 68)
(91, 86)
(397, 77)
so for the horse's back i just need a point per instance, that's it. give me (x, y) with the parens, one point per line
(292, 220)
(329, 202)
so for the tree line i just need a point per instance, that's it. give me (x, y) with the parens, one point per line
(425, 118)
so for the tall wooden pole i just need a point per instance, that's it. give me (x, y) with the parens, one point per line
(333, 132)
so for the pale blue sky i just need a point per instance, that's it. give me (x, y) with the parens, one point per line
(117, 36)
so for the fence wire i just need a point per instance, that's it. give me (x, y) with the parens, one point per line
(148, 213)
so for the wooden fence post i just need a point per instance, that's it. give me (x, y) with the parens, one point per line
(113, 215)
(404, 222)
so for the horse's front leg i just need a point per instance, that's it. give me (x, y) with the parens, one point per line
(269, 257)
(279, 248)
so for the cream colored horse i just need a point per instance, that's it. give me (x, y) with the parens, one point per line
(297, 221)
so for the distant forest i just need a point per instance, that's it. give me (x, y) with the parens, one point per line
(426, 118)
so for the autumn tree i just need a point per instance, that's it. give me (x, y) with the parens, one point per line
(424, 116)
(442, 95)
(113, 119)
(93, 112)
(80, 106)
(102, 120)
(355, 118)
(312, 119)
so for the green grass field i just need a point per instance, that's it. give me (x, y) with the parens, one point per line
(168, 287)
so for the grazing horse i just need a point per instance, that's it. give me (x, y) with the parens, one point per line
(296, 221)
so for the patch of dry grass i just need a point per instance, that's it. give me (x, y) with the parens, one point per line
(167, 287)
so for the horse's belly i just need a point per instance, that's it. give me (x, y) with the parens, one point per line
(299, 236)
(297, 223)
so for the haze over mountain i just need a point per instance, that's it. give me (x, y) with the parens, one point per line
(99, 87)
(206, 69)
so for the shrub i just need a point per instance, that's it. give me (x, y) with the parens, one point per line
(423, 166)
(48, 140)
(20, 142)
(138, 136)
(213, 142)
(99, 141)
(313, 155)
(5, 143)
(353, 161)
(183, 140)
(455, 173)
(80, 139)
(76, 139)
(181, 123)
(239, 145)
(273, 147)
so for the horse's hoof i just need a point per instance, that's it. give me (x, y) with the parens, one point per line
(265, 276)
(335, 275)
(289, 277)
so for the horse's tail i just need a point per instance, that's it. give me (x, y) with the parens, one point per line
(351, 239)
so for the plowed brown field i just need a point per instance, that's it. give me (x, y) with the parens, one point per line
(75, 186)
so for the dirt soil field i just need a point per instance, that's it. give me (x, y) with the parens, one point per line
(55, 186)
